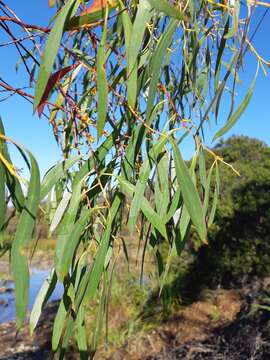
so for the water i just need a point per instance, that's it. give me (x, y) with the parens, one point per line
(8, 310)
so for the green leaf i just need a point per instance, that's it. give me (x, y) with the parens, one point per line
(102, 83)
(143, 16)
(213, 209)
(65, 228)
(236, 115)
(207, 191)
(165, 7)
(59, 212)
(202, 169)
(43, 295)
(142, 182)
(59, 322)
(189, 192)
(128, 189)
(3, 206)
(23, 236)
(12, 182)
(81, 21)
(81, 332)
(158, 58)
(184, 224)
(215, 199)
(162, 193)
(175, 204)
(51, 49)
(219, 54)
(99, 262)
(72, 242)
(99, 320)
(55, 174)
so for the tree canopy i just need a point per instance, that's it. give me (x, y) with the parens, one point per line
(122, 84)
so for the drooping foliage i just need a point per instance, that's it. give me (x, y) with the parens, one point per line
(123, 83)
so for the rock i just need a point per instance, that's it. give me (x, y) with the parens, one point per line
(5, 289)
(3, 302)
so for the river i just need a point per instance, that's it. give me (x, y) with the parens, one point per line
(7, 299)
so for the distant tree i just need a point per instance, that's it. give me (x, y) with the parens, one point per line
(239, 240)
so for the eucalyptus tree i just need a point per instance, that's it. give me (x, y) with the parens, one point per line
(122, 84)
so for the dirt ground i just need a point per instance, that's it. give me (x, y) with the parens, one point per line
(21, 345)
(219, 326)
(192, 323)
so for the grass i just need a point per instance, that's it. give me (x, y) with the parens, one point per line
(46, 245)
(135, 309)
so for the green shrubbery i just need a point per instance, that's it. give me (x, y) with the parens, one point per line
(239, 241)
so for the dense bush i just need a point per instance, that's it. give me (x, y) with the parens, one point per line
(239, 241)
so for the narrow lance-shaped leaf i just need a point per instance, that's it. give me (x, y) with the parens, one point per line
(72, 242)
(61, 96)
(102, 83)
(158, 58)
(165, 7)
(81, 332)
(142, 181)
(41, 299)
(236, 115)
(215, 199)
(189, 192)
(91, 16)
(220, 53)
(52, 82)
(162, 193)
(174, 206)
(128, 189)
(99, 262)
(143, 16)
(12, 182)
(3, 205)
(65, 227)
(99, 319)
(59, 322)
(207, 191)
(51, 49)
(202, 169)
(179, 243)
(59, 212)
(55, 174)
(23, 236)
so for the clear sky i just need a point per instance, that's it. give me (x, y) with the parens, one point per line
(27, 129)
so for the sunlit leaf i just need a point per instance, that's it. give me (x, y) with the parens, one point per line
(23, 236)
(51, 49)
(128, 189)
(43, 296)
(237, 114)
(91, 16)
(52, 82)
(189, 192)
(157, 60)
(165, 7)
(133, 48)
(102, 84)
(55, 174)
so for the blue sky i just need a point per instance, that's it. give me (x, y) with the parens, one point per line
(22, 126)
